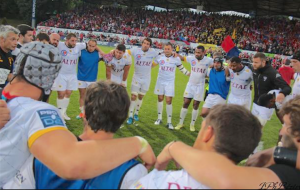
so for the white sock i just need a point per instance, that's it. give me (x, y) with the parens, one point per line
(131, 109)
(169, 113)
(183, 115)
(138, 106)
(194, 116)
(160, 107)
(60, 105)
(66, 104)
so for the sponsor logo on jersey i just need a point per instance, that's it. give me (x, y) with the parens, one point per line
(138, 57)
(265, 79)
(64, 53)
(50, 118)
(194, 63)
(162, 62)
(232, 75)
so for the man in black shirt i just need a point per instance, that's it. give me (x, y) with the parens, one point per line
(8, 43)
(266, 79)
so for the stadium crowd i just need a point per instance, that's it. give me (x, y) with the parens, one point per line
(38, 150)
(268, 35)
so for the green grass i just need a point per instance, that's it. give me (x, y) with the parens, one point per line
(159, 136)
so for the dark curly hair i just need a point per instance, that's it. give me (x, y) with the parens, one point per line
(106, 106)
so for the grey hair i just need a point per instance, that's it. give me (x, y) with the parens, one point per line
(6, 29)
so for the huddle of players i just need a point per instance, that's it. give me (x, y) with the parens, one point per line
(118, 63)
(219, 85)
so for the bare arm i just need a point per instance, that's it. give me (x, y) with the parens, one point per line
(63, 154)
(215, 171)
(126, 72)
(4, 114)
(108, 72)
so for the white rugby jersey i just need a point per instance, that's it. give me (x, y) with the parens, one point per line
(117, 66)
(168, 180)
(199, 69)
(143, 61)
(241, 82)
(296, 87)
(70, 57)
(167, 67)
(30, 120)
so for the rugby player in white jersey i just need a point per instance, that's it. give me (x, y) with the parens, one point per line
(241, 80)
(229, 130)
(143, 59)
(165, 85)
(66, 82)
(196, 85)
(37, 128)
(117, 69)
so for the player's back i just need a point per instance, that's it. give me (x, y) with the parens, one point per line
(27, 118)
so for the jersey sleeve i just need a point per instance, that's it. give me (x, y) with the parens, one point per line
(60, 44)
(44, 121)
(81, 46)
(133, 175)
(132, 51)
(156, 60)
(178, 62)
(188, 59)
(108, 64)
(128, 59)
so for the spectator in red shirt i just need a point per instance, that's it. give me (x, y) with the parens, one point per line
(287, 72)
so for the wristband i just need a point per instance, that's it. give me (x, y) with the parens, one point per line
(124, 83)
(144, 144)
(285, 156)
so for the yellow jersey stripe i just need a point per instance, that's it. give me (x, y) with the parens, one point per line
(129, 52)
(40, 133)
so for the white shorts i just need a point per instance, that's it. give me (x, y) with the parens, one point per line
(140, 86)
(245, 102)
(195, 92)
(212, 100)
(65, 82)
(165, 88)
(262, 113)
(116, 79)
(84, 84)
